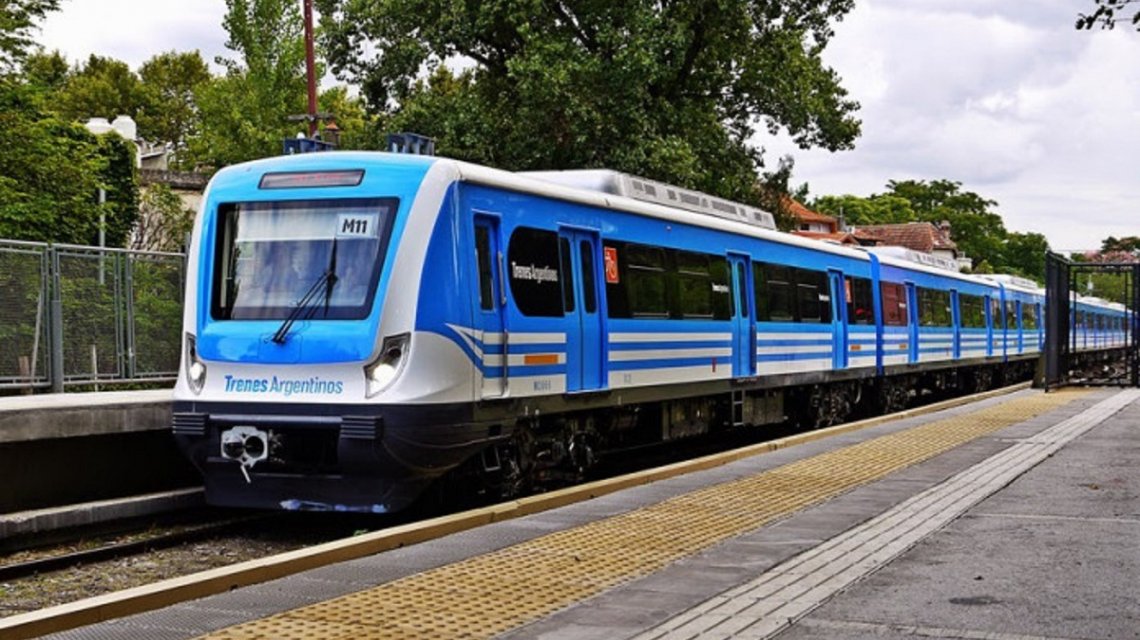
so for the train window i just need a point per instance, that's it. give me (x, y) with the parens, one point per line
(483, 256)
(1010, 315)
(995, 313)
(722, 304)
(589, 296)
(740, 286)
(645, 276)
(894, 305)
(972, 310)
(270, 255)
(1029, 316)
(694, 285)
(934, 308)
(568, 273)
(777, 296)
(813, 297)
(860, 301)
(533, 270)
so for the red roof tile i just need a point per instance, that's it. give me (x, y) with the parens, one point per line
(919, 236)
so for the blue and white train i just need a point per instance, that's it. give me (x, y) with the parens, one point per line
(357, 325)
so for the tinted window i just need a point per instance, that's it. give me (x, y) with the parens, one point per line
(860, 301)
(894, 305)
(1029, 316)
(973, 311)
(568, 270)
(590, 301)
(483, 255)
(776, 300)
(533, 272)
(934, 308)
(645, 281)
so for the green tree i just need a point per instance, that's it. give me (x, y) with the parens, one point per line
(100, 87)
(1024, 254)
(164, 222)
(358, 128)
(169, 81)
(978, 232)
(857, 211)
(1127, 244)
(49, 172)
(1107, 14)
(673, 91)
(46, 71)
(18, 19)
(244, 113)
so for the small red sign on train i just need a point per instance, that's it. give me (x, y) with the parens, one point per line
(611, 265)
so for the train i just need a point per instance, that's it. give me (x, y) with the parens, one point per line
(362, 326)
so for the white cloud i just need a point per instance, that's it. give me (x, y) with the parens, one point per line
(1006, 98)
(134, 31)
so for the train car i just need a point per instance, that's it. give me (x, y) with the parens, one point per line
(359, 325)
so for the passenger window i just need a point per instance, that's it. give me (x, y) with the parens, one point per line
(589, 301)
(781, 300)
(484, 259)
(860, 301)
(894, 305)
(568, 279)
(646, 276)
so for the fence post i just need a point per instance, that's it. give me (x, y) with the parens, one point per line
(56, 323)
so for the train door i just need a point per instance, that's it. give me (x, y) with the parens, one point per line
(491, 302)
(1020, 343)
(743, 327)
(841, 293)
(585, 344)
(913, 323)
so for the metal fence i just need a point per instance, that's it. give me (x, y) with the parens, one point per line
(85, 316)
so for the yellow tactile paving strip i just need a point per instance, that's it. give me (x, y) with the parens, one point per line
(489, 594)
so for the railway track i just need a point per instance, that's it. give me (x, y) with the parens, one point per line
(254, 548)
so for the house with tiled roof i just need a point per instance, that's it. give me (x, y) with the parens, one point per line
(924, 237)
(819, 226)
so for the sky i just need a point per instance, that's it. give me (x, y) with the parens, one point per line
(1003, 96)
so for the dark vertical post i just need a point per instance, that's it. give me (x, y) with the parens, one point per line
(1057, 276)
(310, 70)
(56, 320)
(1133, 356)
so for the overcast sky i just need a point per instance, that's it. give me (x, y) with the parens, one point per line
(1003, 96)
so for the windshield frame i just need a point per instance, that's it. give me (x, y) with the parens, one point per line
(224, 280)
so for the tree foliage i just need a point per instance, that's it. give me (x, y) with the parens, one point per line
(1107, 14)
(49, 173)
(164, 222)
(100, 87)
(244, 113)
(169, 81)
(974, 225)
(18, 20)
(673, 91)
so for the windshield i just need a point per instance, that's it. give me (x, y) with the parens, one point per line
(269, 254)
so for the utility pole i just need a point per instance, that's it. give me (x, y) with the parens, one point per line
(310, 68)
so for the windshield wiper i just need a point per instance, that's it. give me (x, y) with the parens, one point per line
(327, 280)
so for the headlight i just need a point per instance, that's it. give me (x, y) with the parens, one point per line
(380, 373)
(195, 368)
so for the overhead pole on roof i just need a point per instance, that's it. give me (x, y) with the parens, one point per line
(310, 68)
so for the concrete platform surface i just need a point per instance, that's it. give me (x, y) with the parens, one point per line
(1026, 532)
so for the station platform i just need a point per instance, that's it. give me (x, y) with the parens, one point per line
(1014, 518)
(62, 457)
